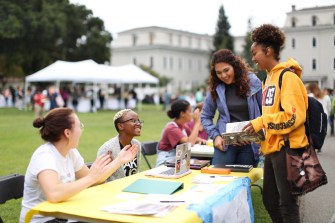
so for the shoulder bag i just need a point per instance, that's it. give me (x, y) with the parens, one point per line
(304, 171)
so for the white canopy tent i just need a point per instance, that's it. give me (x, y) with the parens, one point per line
(88, 71)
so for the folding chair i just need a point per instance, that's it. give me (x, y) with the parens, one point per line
(149, 148)
(11, 187)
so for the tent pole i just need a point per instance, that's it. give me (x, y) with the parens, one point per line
(122, 104)
(25, 95)
(157, 87)
(139, 106)
(95, 96)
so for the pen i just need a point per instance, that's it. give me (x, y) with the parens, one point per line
(172, 201)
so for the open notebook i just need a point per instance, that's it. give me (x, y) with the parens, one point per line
(181, 165)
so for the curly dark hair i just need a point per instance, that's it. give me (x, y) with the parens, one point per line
(240, 67)
(269, 36)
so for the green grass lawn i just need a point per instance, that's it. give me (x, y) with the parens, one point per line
(19, 139)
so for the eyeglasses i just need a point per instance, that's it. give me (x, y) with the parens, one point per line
(134, 121)
(82, 126)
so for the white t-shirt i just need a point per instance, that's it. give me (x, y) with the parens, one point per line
(47, 157)
(326, 104)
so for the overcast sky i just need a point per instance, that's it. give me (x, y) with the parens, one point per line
(199, 16)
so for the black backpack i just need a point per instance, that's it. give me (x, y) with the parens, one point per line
(316, 119)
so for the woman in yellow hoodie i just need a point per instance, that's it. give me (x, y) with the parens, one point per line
(283, 113)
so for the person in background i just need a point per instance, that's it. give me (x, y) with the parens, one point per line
(323, 98)
(65, 93)
(329, 92)
(236, 93)
(199, 95)
(128, 125)
(101, 96)
(39, 100)
(283, 113)
(52, 96)
(202, 134)
(176, 132)
(57, 171)
(332, 114)
(167, 100)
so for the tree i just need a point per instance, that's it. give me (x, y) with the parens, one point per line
(163, 81)
(222, 38)
(246, 54)
(36, 33)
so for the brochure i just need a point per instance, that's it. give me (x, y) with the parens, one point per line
(235, 135)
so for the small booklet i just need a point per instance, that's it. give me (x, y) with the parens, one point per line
(194, 163)
(146, 186)
(236, 167)
(235, 135)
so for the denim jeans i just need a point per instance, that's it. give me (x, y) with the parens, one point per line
(278, 201)
(243, 155)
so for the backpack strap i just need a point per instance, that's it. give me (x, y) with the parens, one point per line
(281, 77)
(286, 138)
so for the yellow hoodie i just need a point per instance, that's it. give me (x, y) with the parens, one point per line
(292, 97)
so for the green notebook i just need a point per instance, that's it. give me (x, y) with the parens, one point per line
(144, 186)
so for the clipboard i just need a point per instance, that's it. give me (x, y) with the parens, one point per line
(145, 186)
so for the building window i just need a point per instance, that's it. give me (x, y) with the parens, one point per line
(134, 61)
(199, 43)
(151, 62)
(314, 42)
(170, 38)
(134, 39)
(293, 43)
(180, 64)
(293, 22)
(165, 62)
(171, 63)
(334, 40)
(334, 63)
(190, 41)
(190, 64)
(151, 38)
(334, 19)
(314, 20)
(179, 40)
(314, 64)
(199, 66)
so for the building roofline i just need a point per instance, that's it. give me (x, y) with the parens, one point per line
(163, 28)
(310, 8)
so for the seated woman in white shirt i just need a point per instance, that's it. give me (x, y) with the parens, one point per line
(57, 171)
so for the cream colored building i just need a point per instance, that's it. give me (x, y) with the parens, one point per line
(310, 39)
(180, 55)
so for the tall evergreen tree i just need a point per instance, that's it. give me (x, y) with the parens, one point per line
(246, 54)
(222, 38)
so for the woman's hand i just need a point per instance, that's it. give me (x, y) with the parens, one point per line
(128, 153)
(98, 167)
(218, 143)
(196, 116)
(248, 128)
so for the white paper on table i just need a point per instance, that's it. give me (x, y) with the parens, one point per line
(140, 208)
(209, 179)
